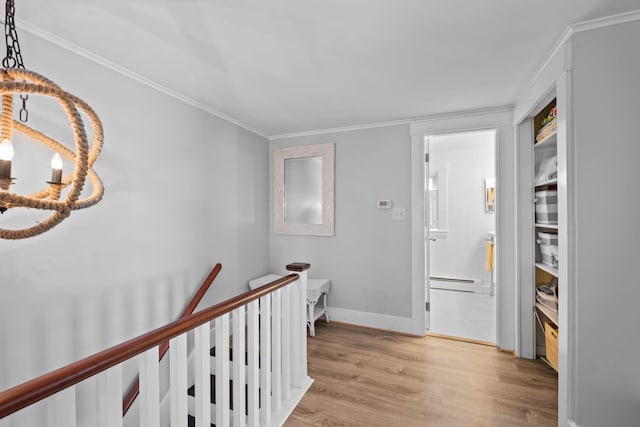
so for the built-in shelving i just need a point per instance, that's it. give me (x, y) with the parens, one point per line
(548, 141)
(550, 226)
(550, 314)
(544, 267)
(546, 183)
(543, 152)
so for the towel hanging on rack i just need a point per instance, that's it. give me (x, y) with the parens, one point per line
(489, 256)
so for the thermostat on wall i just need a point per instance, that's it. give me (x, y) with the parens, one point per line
(384, 204)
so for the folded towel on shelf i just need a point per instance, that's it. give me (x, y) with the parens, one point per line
(547, 170)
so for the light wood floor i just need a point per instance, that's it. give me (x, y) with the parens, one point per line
(371, 378)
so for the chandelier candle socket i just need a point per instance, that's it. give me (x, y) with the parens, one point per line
(56, 169)
(63, 193)
(6, 155)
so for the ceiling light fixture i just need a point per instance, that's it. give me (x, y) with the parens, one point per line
(63, 194)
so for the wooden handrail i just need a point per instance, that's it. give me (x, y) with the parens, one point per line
(32, 391)
(134, 390)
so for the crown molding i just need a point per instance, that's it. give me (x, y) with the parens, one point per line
(607, 21)
(440, 116)
(579, 27)
(100, 60)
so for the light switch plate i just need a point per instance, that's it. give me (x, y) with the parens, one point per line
(399, 214)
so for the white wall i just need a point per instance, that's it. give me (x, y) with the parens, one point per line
(369, 258)
(184, 190)
(468, 158)
(606, 66)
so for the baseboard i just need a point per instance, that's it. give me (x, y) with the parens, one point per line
(453, 338)
(573, 423)
(287, 407)
(371, 320)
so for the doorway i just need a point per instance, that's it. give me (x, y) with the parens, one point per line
(460, 224)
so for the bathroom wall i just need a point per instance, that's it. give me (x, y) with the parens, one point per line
(466, 159)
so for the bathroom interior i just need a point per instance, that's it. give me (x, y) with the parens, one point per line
(461, 216)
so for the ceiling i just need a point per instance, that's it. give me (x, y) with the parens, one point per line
(287, 66)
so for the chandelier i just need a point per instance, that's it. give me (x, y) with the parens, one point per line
(62, 194)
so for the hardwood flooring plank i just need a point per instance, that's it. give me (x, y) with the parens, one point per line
(365, 377)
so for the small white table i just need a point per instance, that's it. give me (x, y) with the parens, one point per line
(316, 289)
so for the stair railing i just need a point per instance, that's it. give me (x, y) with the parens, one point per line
(134, 389)
(267, 327)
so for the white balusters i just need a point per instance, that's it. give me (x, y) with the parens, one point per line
(202, 375)
(276, 349)
(110, 397)
(238, 319)
(302, 322)
(149, 398)
(253, 372)
(265, 359)
(61, 408)
(222, 370)
(178, 380)
(286, 342)
(267, 369)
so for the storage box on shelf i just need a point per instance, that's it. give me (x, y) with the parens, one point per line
(548, 248)
(551, 344)
(545, 182)
(546, 206)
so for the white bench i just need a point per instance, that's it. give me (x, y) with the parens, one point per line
(317, 289)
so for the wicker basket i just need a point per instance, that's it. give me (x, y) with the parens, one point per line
(551, 343)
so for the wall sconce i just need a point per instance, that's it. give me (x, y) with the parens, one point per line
(62, 195)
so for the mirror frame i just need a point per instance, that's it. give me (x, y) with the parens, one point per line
(327, 152)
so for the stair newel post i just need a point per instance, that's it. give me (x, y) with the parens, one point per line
(286, 343)
(299, 325)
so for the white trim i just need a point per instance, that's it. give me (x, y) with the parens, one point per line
(466, 113)
(290, 404)
(100, 60)
(450, 124)
(564, 38)
(572, 423)
(371, 320)
(572, 29)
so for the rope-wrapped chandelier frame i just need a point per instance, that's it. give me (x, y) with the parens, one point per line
(15, 79)
(21, 81)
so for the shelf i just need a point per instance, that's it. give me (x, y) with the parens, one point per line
(551, 270)
(551, 226)
(550, 182)
(545, 360)
(548, 141)
(549, 313)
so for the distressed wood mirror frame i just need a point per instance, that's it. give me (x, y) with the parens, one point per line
(326, 152)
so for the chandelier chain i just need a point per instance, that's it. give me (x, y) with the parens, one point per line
(13, 58)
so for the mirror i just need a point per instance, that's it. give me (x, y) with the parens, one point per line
(303, 190)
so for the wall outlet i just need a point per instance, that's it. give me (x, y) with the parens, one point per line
(399, 214)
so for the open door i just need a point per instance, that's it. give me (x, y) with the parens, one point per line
(428, 205)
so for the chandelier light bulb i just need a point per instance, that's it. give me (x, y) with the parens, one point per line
(6, 150)
(56, 161)
(56, 169)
